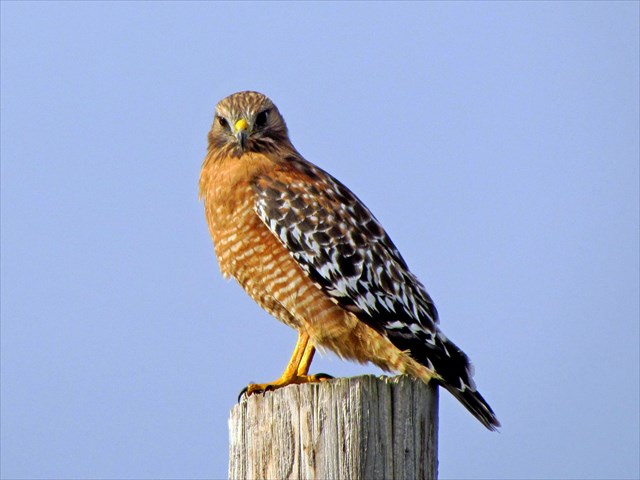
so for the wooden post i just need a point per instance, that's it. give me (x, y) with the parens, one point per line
(347, 428)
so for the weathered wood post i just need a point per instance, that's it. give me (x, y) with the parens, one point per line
(348, 428)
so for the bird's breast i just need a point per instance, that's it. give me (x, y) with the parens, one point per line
(246, 249)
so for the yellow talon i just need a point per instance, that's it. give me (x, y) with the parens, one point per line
(282, 382)
(297, 370)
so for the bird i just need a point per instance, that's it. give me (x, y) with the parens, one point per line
(310, 253)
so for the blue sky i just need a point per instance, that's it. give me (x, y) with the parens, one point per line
(497, 142)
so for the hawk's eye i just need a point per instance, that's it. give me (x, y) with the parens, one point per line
(261, 119)
(222, 122)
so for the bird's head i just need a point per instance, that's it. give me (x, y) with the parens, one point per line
(247, 122)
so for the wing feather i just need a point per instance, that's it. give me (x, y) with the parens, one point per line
(343, 248)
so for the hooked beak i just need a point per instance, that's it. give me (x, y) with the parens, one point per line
(242, 132)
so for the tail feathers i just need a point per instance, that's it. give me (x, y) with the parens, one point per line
(451, 367)
(476, 404)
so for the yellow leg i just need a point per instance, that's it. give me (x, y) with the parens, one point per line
(305, 361)
(296, 371)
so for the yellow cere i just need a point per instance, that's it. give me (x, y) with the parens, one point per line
(241, 125)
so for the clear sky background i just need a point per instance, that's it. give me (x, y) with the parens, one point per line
(497, 142)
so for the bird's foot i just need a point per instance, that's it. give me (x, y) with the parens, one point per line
(282, 382)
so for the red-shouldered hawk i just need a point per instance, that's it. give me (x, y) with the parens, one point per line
(309, 252)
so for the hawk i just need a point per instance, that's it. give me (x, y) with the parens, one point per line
(310, 253)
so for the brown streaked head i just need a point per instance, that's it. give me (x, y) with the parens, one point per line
(247, 122)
